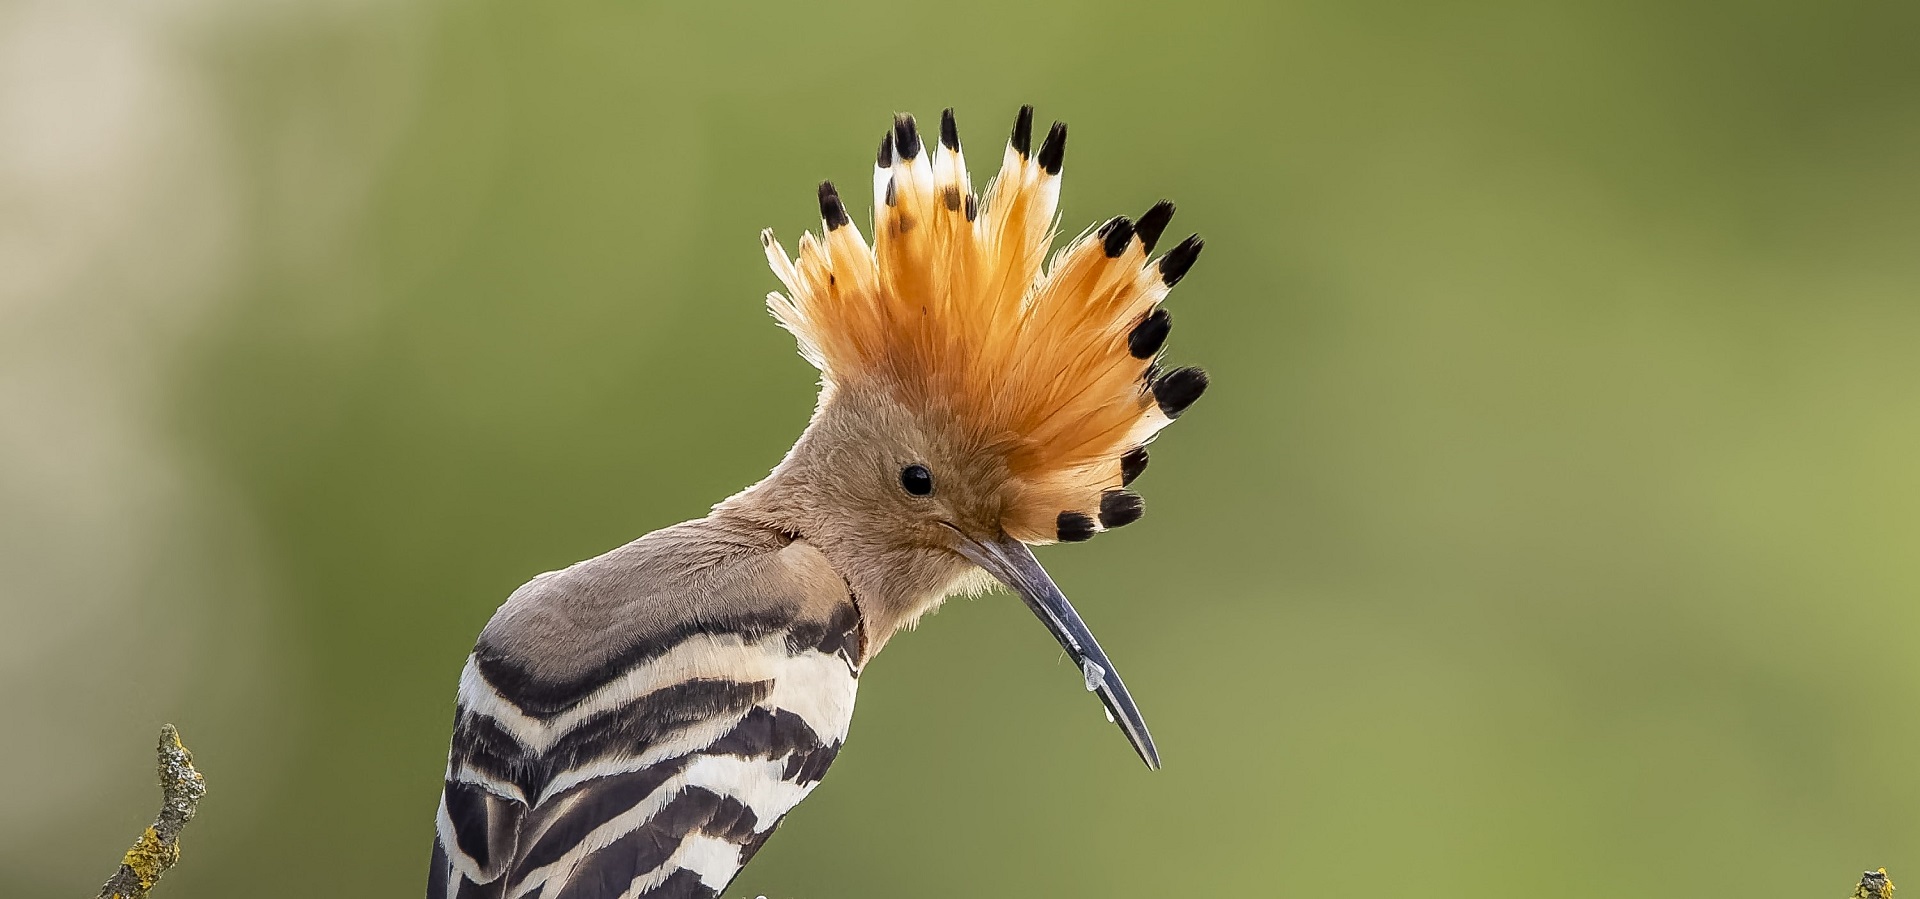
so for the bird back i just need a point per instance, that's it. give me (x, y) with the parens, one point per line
(638, 724)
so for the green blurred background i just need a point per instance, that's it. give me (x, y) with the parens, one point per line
(1553, 524)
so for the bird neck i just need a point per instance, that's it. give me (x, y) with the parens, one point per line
(893, 581)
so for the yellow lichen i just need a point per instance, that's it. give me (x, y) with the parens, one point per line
(158, 847)
(1874, 885)
(150, 857)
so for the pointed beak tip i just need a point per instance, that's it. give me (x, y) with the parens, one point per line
(1013, 564)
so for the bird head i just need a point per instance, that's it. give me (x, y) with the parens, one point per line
(978, 397)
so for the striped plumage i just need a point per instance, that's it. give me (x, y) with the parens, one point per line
(657, 754)
(637, 725)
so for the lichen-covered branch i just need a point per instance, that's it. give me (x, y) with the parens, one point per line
(159, 847)
(1874, 885)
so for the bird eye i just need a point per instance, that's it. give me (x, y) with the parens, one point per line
(917, 480)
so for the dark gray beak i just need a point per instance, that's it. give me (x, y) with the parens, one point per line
(1010, 561)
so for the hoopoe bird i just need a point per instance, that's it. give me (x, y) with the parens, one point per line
(637, 725)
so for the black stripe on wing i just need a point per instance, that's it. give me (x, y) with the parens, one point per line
(591, 805)
(608, 873)
(777, 733)
(681, 885)
(761, 734)
(652, 718)
(767, 733)
(439, 871)
(484, 746)
(486, 839)
(543, 697)
(486, 828)
(841, 635)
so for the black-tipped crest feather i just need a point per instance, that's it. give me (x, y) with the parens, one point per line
(1053, 150)
(832, 211)
(1150, 334)
(1178, 260)
(1115, 235)
(1177, 389)
(1074, 527)
(949, 131)
(906, 137)
(1153, 223)
(1119, 508)
(1022, 139)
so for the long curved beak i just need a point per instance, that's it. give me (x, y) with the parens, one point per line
(1013, 564)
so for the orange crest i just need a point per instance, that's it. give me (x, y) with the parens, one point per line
(952, 308)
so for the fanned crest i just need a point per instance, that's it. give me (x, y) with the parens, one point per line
(955, 306)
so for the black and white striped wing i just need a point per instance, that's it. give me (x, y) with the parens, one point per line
(659, 776)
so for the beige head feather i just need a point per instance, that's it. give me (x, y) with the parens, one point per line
(951, 308)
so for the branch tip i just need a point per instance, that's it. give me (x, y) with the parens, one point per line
(1874, 885)
(158, 847)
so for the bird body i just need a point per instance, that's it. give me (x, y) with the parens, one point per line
(708, 682)
(636, 725)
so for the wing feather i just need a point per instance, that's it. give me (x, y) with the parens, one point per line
(659, 774)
